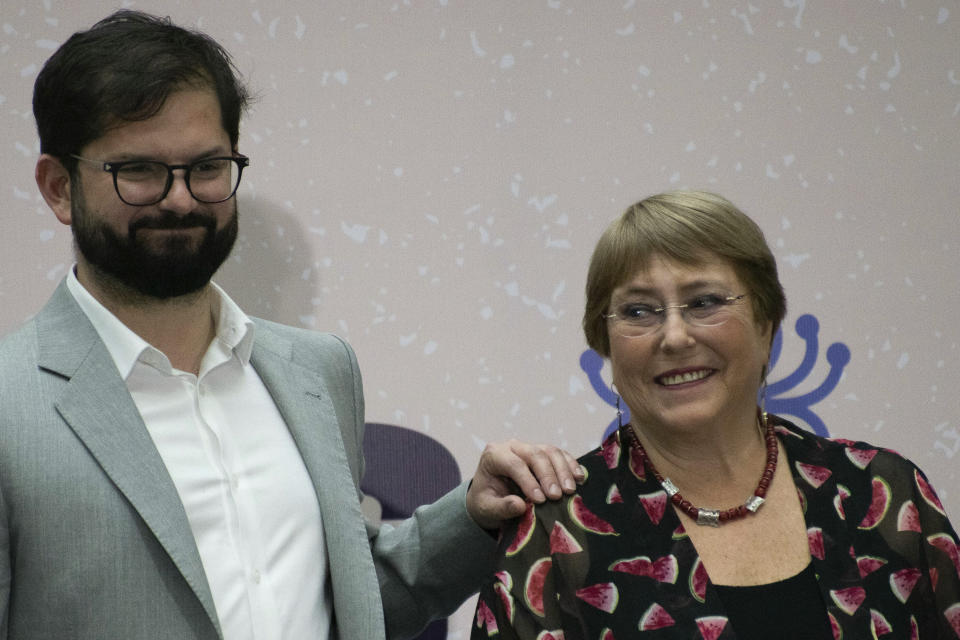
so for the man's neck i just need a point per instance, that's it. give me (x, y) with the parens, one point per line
(181, 327)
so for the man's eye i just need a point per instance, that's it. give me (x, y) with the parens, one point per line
(209, 166)
(138, 168)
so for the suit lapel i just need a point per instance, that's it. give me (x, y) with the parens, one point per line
(98, 408)
(308, 410)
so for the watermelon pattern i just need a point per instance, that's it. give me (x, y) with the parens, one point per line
(886, 556)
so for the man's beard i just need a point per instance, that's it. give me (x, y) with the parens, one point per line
(173, 270)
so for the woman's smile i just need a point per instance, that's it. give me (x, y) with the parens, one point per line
(685, 375)
(674, 378)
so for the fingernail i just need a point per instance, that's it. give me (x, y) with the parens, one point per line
(555, 490)
(569, 485)
(538, 495)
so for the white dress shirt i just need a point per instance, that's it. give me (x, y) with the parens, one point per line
(249, 500)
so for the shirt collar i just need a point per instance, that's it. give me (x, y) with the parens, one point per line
(234, 330)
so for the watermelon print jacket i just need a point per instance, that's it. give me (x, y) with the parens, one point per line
(613, 562)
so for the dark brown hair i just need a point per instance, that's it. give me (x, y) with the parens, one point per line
(123, 69)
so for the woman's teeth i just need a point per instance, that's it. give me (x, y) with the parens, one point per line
(680, 378)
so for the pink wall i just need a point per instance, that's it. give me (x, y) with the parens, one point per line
(428, 180)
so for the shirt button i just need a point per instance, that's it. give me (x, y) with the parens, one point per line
(255, 576)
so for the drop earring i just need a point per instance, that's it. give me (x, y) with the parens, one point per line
(763, 396)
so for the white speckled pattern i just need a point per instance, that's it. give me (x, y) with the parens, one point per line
(428, 179)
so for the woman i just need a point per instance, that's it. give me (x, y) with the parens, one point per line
(689, 524)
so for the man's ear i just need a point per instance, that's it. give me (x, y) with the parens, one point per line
(53, 179)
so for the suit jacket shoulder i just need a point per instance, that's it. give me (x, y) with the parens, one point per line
(280, 351)
(91, 525)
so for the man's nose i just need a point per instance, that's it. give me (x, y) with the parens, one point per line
(178, 197)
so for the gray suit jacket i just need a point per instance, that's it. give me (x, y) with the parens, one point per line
(95, 544)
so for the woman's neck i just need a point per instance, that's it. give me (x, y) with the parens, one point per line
(712, 462)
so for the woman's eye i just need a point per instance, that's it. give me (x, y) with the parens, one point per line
(637, 310)
(707, 301)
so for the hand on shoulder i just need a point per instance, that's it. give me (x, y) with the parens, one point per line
(512, 471)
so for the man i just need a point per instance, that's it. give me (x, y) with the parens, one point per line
(169, 467)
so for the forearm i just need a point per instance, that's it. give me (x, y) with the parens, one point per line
(430, 563)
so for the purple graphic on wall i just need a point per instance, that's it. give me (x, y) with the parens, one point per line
(777, 401)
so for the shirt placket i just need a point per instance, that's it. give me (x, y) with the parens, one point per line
(242, 517)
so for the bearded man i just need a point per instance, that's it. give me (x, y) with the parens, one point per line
(171, 468)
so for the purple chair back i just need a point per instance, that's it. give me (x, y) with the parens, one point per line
(406, 469)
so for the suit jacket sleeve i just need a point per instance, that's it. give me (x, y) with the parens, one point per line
(5, 573)
(428, 564)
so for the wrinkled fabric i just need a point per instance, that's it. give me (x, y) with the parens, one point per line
(614, 560)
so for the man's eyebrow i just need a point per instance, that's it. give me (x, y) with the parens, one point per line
(212, 152)
(215, 152)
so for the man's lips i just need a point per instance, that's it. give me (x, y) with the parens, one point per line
(171, 222)
(170, 229)
(674, 378)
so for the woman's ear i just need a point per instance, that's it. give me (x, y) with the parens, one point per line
(766, 339)
(770, 332)
(53, 179)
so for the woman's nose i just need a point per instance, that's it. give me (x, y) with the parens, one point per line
(675, 329)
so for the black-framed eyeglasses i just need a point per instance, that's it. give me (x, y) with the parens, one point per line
(144, 182)
(633, 319)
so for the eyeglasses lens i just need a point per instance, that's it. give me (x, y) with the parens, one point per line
(210, 181)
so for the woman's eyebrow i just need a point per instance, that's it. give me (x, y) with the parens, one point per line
(683, 288)
(704, 284)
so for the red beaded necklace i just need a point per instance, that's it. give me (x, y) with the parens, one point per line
(713, 517)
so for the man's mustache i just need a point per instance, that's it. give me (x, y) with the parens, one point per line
(170, 221)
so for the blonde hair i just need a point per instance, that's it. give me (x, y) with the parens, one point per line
(691, 227)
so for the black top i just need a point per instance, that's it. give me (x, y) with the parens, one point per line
(613, 560)
(791, 608)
